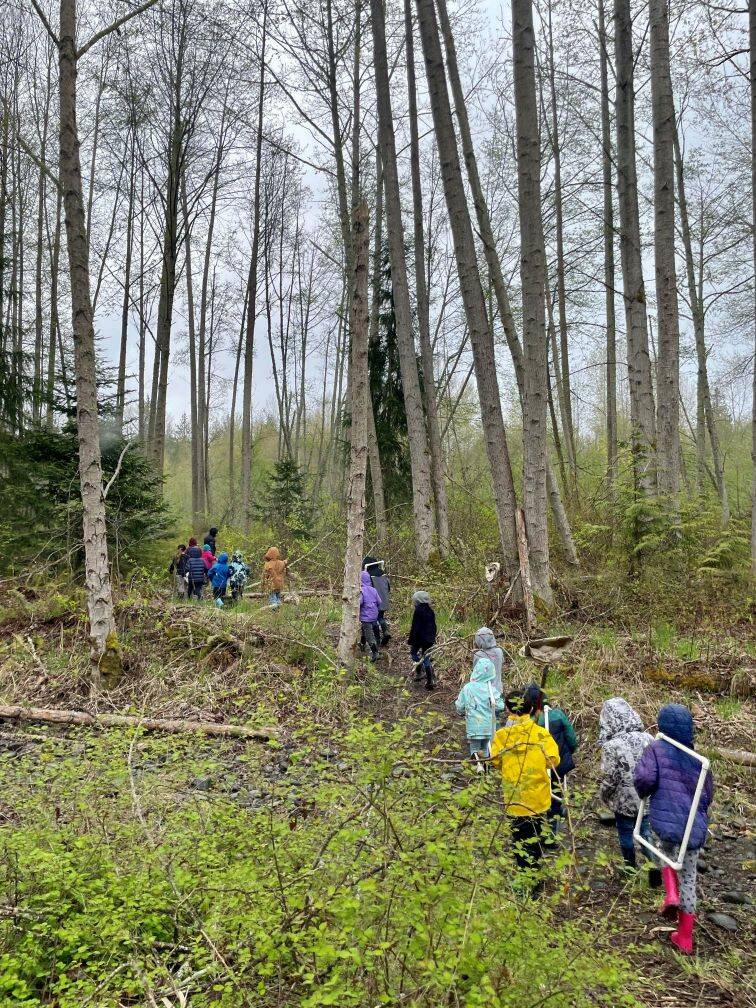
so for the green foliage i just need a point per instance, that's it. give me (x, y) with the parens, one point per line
(286, 507)
(41, 504)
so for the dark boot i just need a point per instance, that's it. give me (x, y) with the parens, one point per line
(654, 878)
(628, 854)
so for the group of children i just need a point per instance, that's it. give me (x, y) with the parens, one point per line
(533, 751)
(193, 567)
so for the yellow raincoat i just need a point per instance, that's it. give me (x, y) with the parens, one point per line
(524, 752)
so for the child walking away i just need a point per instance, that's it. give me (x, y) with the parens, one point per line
(422, 637)
(479, 700)
(195, 570)
(623, 739)
(524, 752)
(178, 569)
(239, 576)
(274, 576)
(668, 777)
(377, 571)
(209, 540)
(208, 557)
(370, 602)
(218, 576)
(485, 643)
(562, 731)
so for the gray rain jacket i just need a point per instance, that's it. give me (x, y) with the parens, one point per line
(622, 739)
(485, 642)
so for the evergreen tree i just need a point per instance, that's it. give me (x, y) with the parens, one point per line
(287, 507)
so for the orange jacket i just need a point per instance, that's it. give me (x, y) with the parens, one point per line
(274, 571)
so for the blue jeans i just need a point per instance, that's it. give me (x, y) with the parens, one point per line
(427, 666)
(625, 826)
(274, 599)
(479, 745)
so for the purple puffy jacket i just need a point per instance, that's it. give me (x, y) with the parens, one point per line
(370, 600)
(669, 777)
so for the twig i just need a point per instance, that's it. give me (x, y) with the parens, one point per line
(114, 477)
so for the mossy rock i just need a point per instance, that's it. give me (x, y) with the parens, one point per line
(742, 684)
(111, 661)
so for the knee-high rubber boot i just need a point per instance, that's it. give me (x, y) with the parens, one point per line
(671, 903)
(683, 937)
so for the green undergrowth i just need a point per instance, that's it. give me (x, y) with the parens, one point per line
(359, 876)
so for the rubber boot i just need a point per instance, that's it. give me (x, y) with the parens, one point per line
(683, 937)
(671, 903)
(654, 878)
(628, 854)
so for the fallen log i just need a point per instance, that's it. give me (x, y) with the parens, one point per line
(104, 720)
(739, 756)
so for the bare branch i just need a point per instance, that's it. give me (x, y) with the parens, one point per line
(114, 477)
(43, 18)
(98, 36)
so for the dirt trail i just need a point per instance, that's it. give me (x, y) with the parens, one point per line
(722, 972)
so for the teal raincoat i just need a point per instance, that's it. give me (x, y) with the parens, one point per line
(479, 700)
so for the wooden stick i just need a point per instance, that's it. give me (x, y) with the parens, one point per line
(522, 552)
(72, 717)
(747, 759)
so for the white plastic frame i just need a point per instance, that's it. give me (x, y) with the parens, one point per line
(677, 865)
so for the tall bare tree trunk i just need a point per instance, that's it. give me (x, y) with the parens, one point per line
(642, 415)
(422, 491)
(532, 272)
(481, 336)
(438, 472)
(494, 263)
(38, 315)
(608, 223)
(126, 303)
(752, 38)
(705, 409)
(355, 504)
(668, 364)
(54, 329)
(99, 591)
(374, 455)
(196, 377)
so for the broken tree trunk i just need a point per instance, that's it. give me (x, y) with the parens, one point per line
(522, 550)
(74, 717)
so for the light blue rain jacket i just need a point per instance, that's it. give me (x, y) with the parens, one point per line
(479, 700)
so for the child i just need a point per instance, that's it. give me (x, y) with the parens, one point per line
(623, 739)
(178, 569)
(274, 575)
(196, 570)
(218, 576)
(486, 645)
(422, 637)
(524, 753)
(239, 576)
(208, 557)
(562, 731)
(209, 540)
(479, 700)
(370, 602)
(668, 777)
(376, 570)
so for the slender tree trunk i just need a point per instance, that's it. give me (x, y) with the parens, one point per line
(752, 38)
(642, 415)
(422, 490)
(704, 412)
(355, 510)
(126, 304)
(374, 456)
(532, 272)
(438, 472)
(38, 313)
(249, 340)
(608, 223)
(97, 573)
(232, 413)
(481, 336)
(492, 257)
(141, 397)
(196, 376)
(668, 365)
(54, 320)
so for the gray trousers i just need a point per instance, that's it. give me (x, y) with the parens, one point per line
(368, 632)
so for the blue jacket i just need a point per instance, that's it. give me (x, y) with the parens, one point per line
(668, 777)
(195, 565)
(220, 572)
(479, 700)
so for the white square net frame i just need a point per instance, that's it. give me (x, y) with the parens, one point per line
(677, 865)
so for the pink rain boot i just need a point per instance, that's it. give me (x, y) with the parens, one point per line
(671, 903)
(683, 937)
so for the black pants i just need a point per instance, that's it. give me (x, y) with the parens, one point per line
(219, 593)
(385, 634)
(195, 589)
(527, 840)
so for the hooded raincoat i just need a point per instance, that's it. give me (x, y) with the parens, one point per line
(220, 572)
(622, 739)
(370, 600)
(524, 753)
(479, 700)
(669, 777)
(195, 565)
(486, 645)
(208, 558)
(274, 571)
(423, 629)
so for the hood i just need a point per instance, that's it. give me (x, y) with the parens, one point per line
(192, 542)
(237, 557)
(223, 558)
(367, 561)
(194, 551)
(206, 549)
(618, 718)
(365, 580)
(273, 553)
(421, 598)
(213, 531)
(484, 671)
(535, 694)
(676, 721)
(484, 639)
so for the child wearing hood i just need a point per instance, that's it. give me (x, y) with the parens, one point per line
(422, 637)
(218, 576)
(479, 700)
(196, 571)
(377, 571)
(178, 569)
(370, 604)
(239, 575)
(623, 740)
(208, 557)
(486, 647)
(274, 575)
(668, 778)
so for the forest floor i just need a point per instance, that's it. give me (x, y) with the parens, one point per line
(263, 668)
